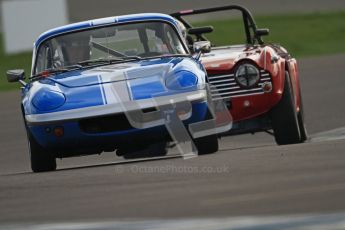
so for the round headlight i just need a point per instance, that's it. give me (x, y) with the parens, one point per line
(181, 80)
(47, 100)
(247, 75)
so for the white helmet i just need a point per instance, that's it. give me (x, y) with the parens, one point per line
(183, 29)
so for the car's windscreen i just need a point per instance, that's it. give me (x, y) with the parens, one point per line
(149, 39)
(228, 27)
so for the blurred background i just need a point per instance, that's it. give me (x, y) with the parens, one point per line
(304, 27)
(264, 179)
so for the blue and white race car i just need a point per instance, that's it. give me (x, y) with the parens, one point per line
(119, 83)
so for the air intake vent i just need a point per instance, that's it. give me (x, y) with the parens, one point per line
(225, 86)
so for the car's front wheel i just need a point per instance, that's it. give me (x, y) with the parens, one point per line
(207, 145)
(285, 118)
(300, 116)
(41, 160)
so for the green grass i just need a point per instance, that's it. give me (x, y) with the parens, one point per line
(302, 34)
(17, 61)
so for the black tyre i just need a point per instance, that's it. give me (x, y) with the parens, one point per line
(301, 124)
(284, 117)
(41, 160)
(206, 145)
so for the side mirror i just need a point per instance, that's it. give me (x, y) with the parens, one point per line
(15, 75)
(200, 30)
(202, 47)
(262, 32)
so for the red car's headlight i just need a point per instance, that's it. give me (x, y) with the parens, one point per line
(247, 75)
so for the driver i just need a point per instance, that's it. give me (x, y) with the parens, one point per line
(189, 39)
(182, 28)
(76, 48)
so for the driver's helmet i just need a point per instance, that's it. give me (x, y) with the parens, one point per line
(76, 48)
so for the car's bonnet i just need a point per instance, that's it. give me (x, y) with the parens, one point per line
(225, 58)
(111, 84)
(117, 72)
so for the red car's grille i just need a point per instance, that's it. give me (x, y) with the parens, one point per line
(225, 86)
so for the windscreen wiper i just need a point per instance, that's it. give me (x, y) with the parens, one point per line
(49, 72)
(107, 60)
(169, 56)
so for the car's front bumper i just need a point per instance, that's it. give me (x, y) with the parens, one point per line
(117, 108)
(78, 140)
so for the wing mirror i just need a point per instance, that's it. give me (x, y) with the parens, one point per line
(202, 47)
(15, 75)
(262, 32)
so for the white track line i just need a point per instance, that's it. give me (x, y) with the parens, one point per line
(300, 222)
(330, 135)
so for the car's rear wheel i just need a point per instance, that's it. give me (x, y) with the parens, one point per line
(284, 117)
(41, 160)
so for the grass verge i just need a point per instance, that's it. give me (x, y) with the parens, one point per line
(302, 34)
(16, 61)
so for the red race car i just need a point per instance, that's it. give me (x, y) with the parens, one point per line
(259, 82)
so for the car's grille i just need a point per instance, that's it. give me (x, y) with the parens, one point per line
(105, 124)
(225, 86)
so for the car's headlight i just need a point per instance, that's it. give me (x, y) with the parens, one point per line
(47, 100)
(247, 75)
(181, 80)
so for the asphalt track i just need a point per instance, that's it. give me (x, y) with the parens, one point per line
(249, 176)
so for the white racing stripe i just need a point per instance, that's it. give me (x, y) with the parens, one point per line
(116, 91)
(103, 21)
(101, 87)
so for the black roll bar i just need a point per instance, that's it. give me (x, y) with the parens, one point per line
(249, 22)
